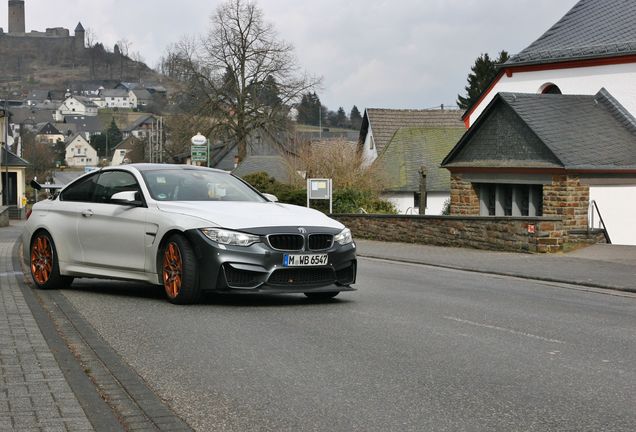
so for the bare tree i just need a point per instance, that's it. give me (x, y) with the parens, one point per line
(241, 74)
(123, 46)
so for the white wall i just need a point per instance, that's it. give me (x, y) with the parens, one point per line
(616, 204)
(404, 202)
(435, 202)
(369, 154)
(619, 80)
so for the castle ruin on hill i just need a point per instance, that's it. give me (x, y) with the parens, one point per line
(54, 46)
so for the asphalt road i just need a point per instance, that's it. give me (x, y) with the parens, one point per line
(415, 349)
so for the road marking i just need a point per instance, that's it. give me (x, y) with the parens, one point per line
(507, 330)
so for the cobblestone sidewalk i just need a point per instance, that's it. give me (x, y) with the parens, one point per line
(34, 394)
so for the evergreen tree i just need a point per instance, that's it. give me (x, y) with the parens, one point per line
(356, 118)
(341, 118)
(482, 73)
(310, 109)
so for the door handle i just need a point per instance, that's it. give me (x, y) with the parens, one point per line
(87, 213)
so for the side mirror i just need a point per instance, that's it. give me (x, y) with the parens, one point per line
(126, 198)
(270, 197)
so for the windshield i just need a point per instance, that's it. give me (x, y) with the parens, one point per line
(197, 185)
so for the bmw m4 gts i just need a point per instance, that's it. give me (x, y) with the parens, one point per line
(189, 229)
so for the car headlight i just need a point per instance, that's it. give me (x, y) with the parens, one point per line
(232, 238)
(343, 237)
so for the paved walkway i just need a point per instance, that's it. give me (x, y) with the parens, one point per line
(600, 266)
(34, 391)
(34, 394)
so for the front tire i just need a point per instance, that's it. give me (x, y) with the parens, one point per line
(179, 272)
(45, 269)
(322, 295)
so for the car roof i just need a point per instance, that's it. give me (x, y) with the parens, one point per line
(141, 167)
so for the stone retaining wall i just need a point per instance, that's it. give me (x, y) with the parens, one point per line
(493, 233)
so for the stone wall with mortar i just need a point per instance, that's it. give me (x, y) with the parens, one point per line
(515, 234)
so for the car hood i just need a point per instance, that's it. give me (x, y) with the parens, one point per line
(243, 215)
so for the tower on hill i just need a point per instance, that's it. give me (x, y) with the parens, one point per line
(16, 16)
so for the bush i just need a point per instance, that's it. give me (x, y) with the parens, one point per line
(346, 200)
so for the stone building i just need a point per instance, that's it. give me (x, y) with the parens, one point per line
(554, 133)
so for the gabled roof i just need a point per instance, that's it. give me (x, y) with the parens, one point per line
(13, 160)
(84, 100)
(274, 166)
(411, 149)
(385, 122)
(577, 132)
(138, 122)
(49, 129)
(591, 29)
(30, 115)
(142, 94)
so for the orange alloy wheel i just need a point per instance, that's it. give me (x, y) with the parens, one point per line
(172, 270)
(41, 259)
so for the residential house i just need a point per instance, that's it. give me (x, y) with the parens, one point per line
(524, 128)
(130, 150)
(434, 127)
(30, 118)
(12, 181)
(141, 127)
(115, 98)
(76, 105)
(79, 153)
(140, 98)
(49, 134)
(410, 162)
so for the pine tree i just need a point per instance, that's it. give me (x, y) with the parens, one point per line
(355, 117)
(482, 73)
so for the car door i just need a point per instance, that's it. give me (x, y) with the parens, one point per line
(112, 235)
(63, 217)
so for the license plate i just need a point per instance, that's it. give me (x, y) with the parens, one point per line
(305, 260)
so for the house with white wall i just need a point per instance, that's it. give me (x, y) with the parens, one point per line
(75, 105)
(79, 153)
(404, 141)
(116, 98)
(591, 52)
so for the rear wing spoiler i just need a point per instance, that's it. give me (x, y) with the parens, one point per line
(37, 186)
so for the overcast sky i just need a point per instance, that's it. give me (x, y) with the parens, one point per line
(371, 53)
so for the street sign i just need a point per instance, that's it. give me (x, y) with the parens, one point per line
(199, 153)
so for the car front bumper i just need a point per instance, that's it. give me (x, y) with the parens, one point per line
(259, 269)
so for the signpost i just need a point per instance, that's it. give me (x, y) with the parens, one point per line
(200, 149)
(320, 189)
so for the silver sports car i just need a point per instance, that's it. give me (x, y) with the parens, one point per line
(190, 229)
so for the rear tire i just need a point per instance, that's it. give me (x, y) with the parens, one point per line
(179, 273)
(322, 295)
(44, 265)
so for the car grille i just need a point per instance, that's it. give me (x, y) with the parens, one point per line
(286, 242)
(302, 277)
(320, 241)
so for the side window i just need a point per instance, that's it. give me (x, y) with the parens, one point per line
(80, 191)
(111, 182)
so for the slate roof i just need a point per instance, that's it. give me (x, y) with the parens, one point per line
(591, 29)
(114, 93)
(13, 160)
(581, 132)
(142, 94)
(385, 122)
(29, 115)
(274, 166)
(90, 124)
(48, 129)
(413, 148)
